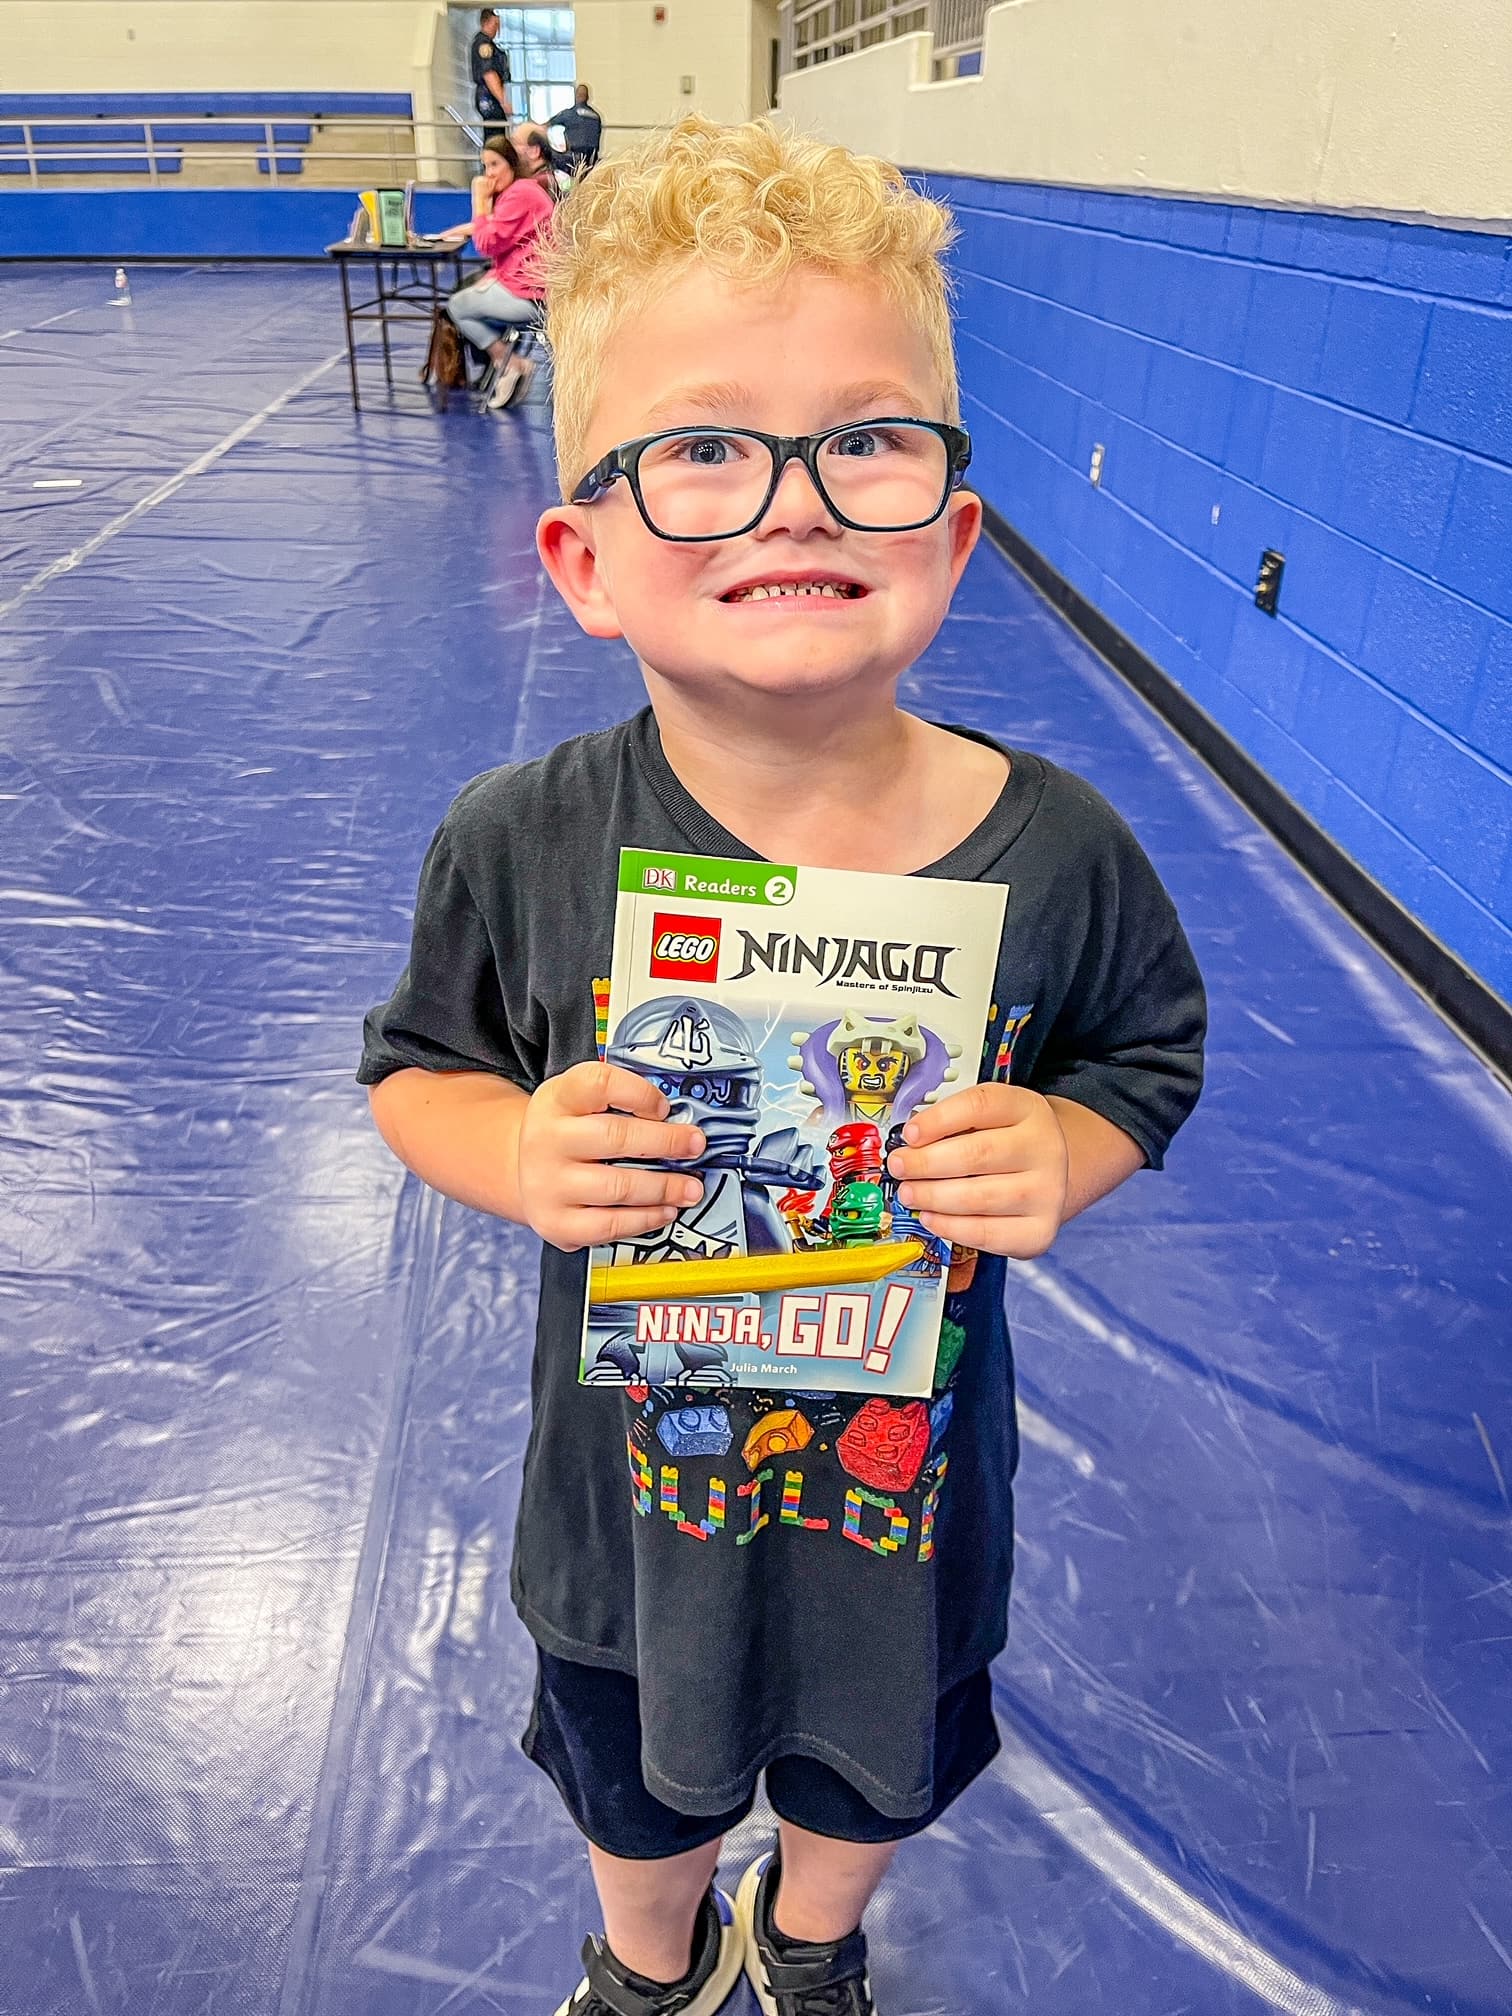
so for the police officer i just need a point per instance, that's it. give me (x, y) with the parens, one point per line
(490, 75)
(582, 132)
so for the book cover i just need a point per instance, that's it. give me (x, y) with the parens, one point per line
(798, 1016)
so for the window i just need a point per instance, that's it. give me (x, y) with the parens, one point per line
(542, 65)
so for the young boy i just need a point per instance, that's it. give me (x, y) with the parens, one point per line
(756, 426)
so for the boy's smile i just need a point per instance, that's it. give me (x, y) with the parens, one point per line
(800, 604)
(772, 590)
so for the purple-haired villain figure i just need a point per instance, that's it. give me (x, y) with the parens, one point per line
(872, 1067)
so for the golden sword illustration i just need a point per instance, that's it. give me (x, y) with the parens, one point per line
(752, 1273)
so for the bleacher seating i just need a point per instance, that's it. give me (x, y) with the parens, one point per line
(95, 164)
(205, 104)
(91, 146)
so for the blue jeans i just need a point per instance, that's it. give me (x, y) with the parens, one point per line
(484, 309)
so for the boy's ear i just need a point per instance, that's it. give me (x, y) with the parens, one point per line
(566, 550)
(965, 530)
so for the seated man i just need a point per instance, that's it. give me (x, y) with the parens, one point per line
(537, 160)
(582, 132)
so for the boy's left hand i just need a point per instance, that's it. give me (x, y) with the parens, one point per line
(987, 1167)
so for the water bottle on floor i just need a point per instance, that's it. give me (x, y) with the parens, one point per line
(122, 296)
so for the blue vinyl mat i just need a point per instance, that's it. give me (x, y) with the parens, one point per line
(263, 1401)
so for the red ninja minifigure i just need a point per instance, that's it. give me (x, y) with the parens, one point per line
(855, 1156)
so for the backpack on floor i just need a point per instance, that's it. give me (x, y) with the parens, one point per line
(445, 361)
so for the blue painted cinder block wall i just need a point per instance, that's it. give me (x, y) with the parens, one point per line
(1338, 389)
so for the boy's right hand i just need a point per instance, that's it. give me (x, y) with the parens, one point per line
(576, 1127)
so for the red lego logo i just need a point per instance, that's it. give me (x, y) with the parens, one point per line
(685, 948)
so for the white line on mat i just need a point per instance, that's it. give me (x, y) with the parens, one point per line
(1066, 1812)
(165, 490)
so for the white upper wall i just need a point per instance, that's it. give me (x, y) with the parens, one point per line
(217, 45)
(1401, 107)
(636, 65)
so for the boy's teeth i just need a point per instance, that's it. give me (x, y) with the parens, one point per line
(761, 593)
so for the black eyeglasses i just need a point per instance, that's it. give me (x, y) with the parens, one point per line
(693, 483)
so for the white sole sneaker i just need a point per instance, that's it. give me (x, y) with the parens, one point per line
(512, 383)
(504, 387)
(745, 1919)
(755, 1966)
(717, 1990)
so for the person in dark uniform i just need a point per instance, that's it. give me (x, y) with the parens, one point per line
(582, 132)
(490, 76)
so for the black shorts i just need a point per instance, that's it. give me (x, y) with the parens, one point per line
(585, 1735)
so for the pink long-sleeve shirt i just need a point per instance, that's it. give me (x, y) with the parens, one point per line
(508, 236)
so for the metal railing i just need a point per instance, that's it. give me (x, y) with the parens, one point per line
(440, 152)
(469, 123)
(958, 26)
(394, 150)
(814, 31)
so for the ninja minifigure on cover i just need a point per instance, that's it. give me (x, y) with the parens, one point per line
(858, 1216)
(855, 1156)
(700, 1055)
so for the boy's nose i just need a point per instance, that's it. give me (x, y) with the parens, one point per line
(797, 505)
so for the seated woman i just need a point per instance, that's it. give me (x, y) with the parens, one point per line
(509, 214)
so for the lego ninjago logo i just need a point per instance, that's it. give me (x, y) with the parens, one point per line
(685, 948)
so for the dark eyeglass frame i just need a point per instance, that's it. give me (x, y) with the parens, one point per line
(805, 448)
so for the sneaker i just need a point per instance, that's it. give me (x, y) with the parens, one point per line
(790, 1977)
(515, 375)
(610, 1989)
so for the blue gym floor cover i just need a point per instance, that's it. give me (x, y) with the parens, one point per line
(262, 1401)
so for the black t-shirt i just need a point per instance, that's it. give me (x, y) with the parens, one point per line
(486, 54)
(806, 1606)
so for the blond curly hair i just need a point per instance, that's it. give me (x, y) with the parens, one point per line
(751, 203)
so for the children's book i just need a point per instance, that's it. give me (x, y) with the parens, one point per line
(797, 1016)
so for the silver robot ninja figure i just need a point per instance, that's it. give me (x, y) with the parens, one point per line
(700, 1055)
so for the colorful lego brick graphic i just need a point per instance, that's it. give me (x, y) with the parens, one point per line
(670, 1500)
(640, 1480)
(792, 1504)
(601, 1016)
(948, 1357)
(889, 1542)
(775, 1434)
(759, 1516)
(1013, 1028)
(928, 1510)
(870, 1518)
(885, 1446)
(695, 1431)
(963, 1266)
